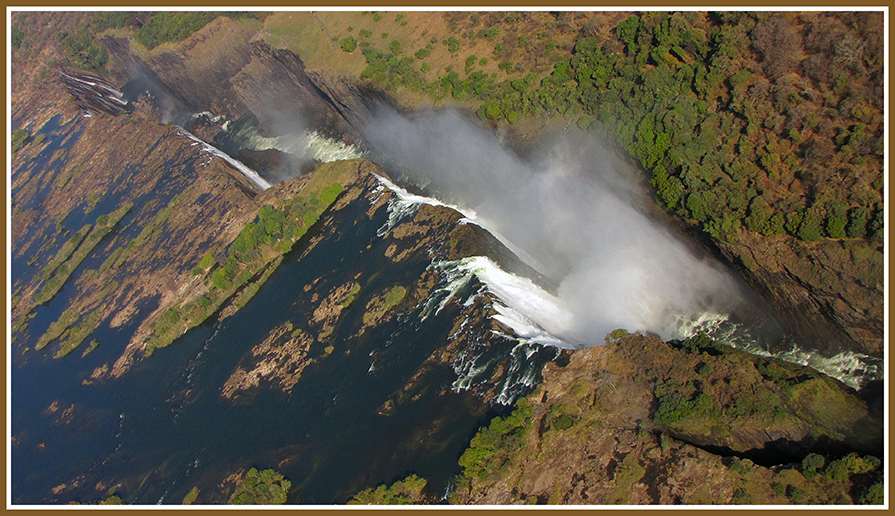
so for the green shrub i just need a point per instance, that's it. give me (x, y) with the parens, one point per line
(19, 137)
(813, 462)
(874, 495)
(563, 422)
(836, 219)
(409, 491)
(453, 45)
(261, 488)
(837, 470)
(348, 44)
(857, 222)
(809, 229)
(738, 467)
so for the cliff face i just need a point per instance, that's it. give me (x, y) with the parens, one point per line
(227, 69)
(121, 223)
(830, 292)
(640, 422)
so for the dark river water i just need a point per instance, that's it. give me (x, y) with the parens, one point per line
(164, 428)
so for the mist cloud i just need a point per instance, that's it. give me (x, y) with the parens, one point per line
(575, 212)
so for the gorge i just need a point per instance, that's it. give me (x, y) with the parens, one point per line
(284, 267)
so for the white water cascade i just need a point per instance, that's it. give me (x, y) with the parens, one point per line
(537, 317)
(238, 165)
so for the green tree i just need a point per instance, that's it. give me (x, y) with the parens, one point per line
(696, 206)
(261, 488)
(857, 222)
(410, 491)
(810, 228)
(759, 216)
(836, 219)
(492, 110)
(348, 44)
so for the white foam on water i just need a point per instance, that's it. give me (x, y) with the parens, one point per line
(210, 116)
(510, 390)
(852, 369)
(533, 315)
(405, 204)
(325, 149)
(307, 144)
(238, 165)
(467, 369)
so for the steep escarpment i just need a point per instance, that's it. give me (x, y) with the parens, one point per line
(830, 291)
(227, 70)
(774, 157)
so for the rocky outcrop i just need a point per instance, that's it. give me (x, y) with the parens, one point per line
(345, 309)
(225, 69)
(76, 176)
(639, 421)
(829, 292)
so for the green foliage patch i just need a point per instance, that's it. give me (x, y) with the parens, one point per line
(259, 246)
(488, 451)
(686, 96)
(266, 487)
(409, 491)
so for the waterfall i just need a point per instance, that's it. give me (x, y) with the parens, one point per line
(238, 165)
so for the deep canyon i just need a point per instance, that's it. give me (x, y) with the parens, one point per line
(237, 251)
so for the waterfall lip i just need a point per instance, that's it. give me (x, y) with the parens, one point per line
(404, 195)
(533, 315)
(304, 144)
(470, 216)
(253, 176)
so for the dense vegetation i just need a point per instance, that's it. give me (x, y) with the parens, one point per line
(488, 455)
(734, 126)
(409, 491)
(261, 488)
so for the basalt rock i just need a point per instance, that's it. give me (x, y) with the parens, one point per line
(829, 292)
(640, 421)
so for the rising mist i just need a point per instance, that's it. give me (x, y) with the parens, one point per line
(570, 210)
